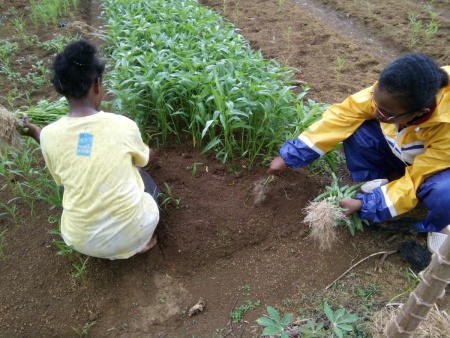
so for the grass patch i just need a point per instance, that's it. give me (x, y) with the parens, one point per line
(50, 11)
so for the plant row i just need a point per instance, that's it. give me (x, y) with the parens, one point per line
(178, 67)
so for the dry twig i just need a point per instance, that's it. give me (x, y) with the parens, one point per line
(387, 253)
(380, 263)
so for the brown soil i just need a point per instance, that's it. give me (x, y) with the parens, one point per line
(218, 244)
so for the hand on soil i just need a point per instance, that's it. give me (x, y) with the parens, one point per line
(277, 166)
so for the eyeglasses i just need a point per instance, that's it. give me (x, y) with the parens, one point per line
(384, 115)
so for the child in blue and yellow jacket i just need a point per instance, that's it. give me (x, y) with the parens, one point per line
(399, 130)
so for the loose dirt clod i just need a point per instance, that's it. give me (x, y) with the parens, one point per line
(322, 219)
(9, 130)
(197, 308)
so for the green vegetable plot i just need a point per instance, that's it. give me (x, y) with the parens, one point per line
(178, 67)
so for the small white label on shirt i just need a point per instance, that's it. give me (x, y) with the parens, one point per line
(85, 144)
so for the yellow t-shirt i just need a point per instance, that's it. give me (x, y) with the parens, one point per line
(106, 212)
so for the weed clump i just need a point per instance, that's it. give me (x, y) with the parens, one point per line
(9, 130)
(322, 217)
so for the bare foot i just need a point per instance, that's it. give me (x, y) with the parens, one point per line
(149, 245)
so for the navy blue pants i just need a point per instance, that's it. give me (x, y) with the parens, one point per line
(149, 185)
(369, 157)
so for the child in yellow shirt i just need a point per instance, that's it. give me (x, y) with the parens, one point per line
(110, 205)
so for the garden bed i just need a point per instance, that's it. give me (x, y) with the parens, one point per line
(215, 242)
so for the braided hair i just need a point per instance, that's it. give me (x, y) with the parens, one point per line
(76, 68)
(415, 79)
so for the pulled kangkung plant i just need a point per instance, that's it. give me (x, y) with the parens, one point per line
(323, 214)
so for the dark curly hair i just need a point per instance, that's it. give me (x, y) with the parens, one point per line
(76, 68)
(415, 79)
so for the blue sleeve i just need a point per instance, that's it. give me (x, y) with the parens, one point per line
(373, 206)
(296, 153)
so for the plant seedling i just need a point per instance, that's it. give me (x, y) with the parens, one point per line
(313, 329)
(76, 259)
(245, 290)
(340, 64)
(415, 26)
(289, 38)
(433, 25)
(236, 11)
(280, 5)
(238, 312)
(193, 169)
(2, 243)
(274, 324)
(83, 331)
(168, 198)
(370, 7)
(224, 7)
(413, 280)
(340, 320)
(269, 179)
(11, 211)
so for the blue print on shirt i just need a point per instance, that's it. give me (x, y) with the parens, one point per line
(85, 144)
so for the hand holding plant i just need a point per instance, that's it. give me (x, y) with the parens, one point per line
(350, 205)
(277, 166)
(29, 129)
(331, 209)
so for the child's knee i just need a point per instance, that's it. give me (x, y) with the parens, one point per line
(433, 193)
